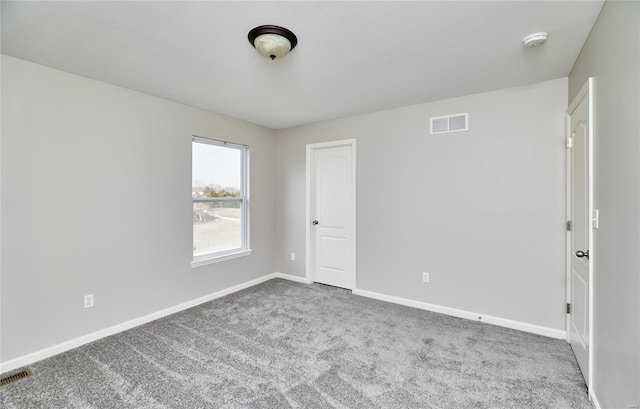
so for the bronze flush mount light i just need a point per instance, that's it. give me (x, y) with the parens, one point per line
(273, 42)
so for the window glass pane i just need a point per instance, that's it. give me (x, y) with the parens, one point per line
(216, 170)
(217, 175)
(216, 227)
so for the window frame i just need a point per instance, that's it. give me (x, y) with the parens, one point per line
(245, 248)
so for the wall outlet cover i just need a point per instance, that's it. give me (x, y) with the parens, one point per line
(88, 301)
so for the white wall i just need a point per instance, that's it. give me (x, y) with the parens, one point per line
(96, 198)
(482, 211)
(611, 55)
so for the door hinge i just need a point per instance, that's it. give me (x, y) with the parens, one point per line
(570, 142)
(569, 225)
(595, 220)
(568, 308)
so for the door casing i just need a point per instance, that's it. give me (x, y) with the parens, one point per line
(310, 245)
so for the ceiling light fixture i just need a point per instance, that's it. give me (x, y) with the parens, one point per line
(273, 42)
(535, 39)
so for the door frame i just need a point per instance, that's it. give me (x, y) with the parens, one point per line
(310, 242)
(585, 91)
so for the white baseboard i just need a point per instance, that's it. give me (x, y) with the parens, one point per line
(535, 329)
(594, 400)
(297, 279)
(85, 339)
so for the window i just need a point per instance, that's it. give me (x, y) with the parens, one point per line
(220, 204)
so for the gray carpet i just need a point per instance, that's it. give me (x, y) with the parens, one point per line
(287, 345)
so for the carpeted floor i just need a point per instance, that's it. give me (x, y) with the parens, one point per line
(286, 345)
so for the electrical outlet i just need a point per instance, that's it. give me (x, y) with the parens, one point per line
(293, 256)
(425, 277)
(88, 301)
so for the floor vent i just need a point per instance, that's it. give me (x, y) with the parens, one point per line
(6, 380)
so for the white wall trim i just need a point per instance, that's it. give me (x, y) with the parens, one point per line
(502, 322)
(297, 279)
(568, 204)
(594, 400)
(593, 251)
(208, 259)
(307, 222)
(85, 339)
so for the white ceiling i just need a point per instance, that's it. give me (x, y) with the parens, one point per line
(351, 58)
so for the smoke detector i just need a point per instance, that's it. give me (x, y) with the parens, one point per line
(535, 39)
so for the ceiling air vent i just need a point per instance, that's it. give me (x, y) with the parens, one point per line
(450, 123)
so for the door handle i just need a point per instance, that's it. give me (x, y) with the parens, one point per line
(581, 254)
(314, 222)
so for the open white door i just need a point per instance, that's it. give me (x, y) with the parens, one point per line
(331, 210)
(581, 211)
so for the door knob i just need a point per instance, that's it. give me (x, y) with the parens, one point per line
(581, 254)
(315, 222)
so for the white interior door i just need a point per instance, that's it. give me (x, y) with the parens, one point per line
(580, 236)
(333, 216)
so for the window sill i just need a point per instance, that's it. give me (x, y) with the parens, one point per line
(206, 259)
